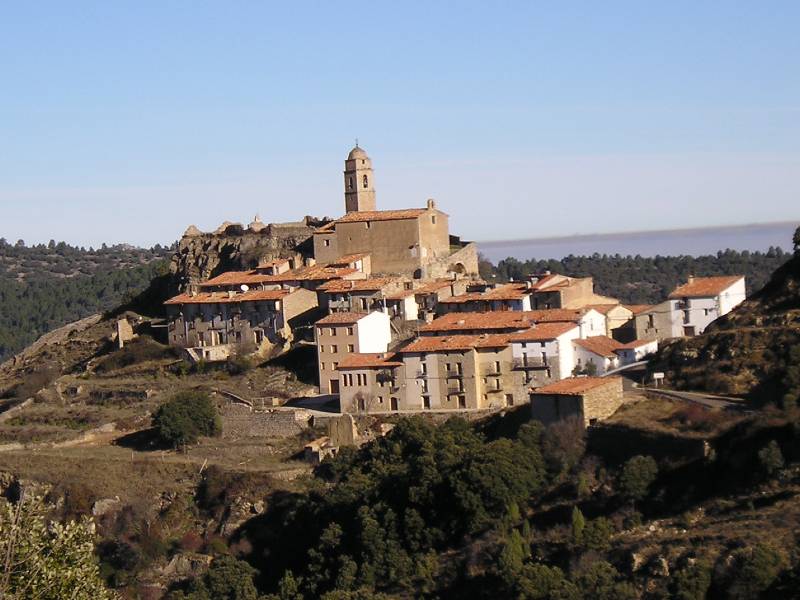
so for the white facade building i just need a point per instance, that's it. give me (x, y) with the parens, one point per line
(702, 300)
(599, 351)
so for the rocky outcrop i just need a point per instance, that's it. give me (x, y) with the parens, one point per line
(233, 247)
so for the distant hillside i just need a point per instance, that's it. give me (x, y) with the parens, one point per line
(753, 351)
(44, 287)
(640, 280)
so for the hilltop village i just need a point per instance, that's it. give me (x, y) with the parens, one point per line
(402, 321)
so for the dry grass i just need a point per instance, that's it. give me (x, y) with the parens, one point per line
(674, 416)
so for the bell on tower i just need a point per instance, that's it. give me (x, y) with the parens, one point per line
(359, 185)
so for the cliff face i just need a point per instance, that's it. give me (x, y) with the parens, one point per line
(232, 247)
(746, 352)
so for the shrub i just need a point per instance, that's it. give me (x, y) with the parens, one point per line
(578, 525)
(771, 458)
(597, 534)
(186, 417)
(754, 570)
(692, 582)
(637, 475)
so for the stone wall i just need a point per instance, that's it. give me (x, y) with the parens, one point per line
(203, 255)
(241, 421)
(463, 262)
(603, 401)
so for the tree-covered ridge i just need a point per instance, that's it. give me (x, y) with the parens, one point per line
(641, 280)
(45, 287)
(24, 263)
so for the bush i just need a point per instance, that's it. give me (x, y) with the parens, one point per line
(771, 458)
(692, 582)
(597, 534)
(637, 475)
(754, 570)
(186, 417)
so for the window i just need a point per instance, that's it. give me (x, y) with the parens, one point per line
(351, 348)
(366, 182)
(426, 402)
(326, 242)
(497, 366)
(334, 349)
(509, 399)
(364, 303)
(349, 331)
(433, 219)
(350, 183)
(462, 402)
(332, 332)
(335, 366)
(322, 366)
(459, 368)
(367, 225)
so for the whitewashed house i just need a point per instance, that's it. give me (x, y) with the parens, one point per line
(702, 300)
(544, 353)
(598, 350)
(636, 350)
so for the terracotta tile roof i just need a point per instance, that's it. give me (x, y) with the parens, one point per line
(225, 298)
(253, 277)
(575, 386)
(426, 287)
(374, 215)
(272, 263)
(701, 287)
(237, 278)
(455, 342)
(348, 258)
(600, 345)
(507, 291)
(481, 321)
(369, 361)
(542, 332)
(494, 320)
(341, 318)
(638, 309)
(373, 284)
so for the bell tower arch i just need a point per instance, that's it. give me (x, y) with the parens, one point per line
(359, 184)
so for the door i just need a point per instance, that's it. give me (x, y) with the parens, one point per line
(334, 386)
(394, 403)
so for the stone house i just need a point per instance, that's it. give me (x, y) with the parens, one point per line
(544, 353)
(361, 296)
(211, 325)
(340, 334)
(370, 382)
(702, 300)
(598, 350)
(459, 372)
(309, 277)
(590, 399)
(551, 290)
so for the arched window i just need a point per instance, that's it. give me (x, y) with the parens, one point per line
(350, 183)
(366, 183)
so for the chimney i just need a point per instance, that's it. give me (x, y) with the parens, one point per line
(691, 278)
(230, 293)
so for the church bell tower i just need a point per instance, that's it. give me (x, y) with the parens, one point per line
(359, 187)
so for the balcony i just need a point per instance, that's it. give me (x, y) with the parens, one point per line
(491, 371)
(343, 305)
(452, 373)
(532, 362)
(454, 389)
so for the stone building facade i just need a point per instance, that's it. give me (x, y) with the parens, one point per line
(590, 399)
(212, 325)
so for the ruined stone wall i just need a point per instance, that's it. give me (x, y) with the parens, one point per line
(240, 421)
(463, 262)
(203, 255)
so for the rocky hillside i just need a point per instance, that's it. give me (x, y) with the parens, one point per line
(750, 352)
(46, 286)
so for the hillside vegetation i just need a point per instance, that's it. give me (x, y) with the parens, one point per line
(45, 287)
(753, 351)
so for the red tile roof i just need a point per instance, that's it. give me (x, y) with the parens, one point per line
(253, 277)
(576, 386)
(348, 258)
(225, 298)
(369, 361)
(425, 287)
(600, 345)
(374, 215)
(635, 344)
(455, 342)
(341, 318)
(542, 332)
(701, 287)
(494, 320)
(373, 284)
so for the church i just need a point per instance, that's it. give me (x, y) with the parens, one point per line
(413, 242)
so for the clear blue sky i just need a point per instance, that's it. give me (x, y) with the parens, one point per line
(126, 122)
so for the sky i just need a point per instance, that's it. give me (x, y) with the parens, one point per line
(125, 122)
